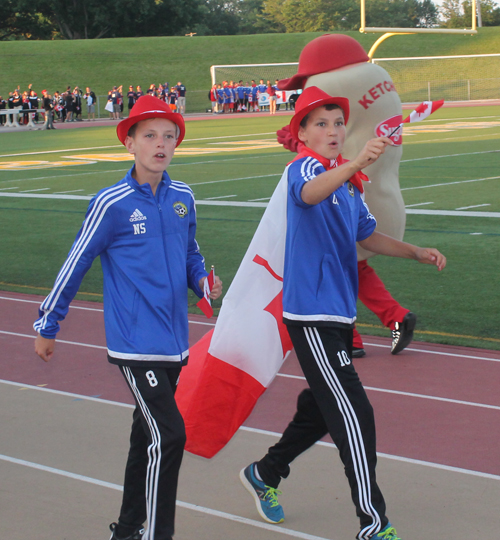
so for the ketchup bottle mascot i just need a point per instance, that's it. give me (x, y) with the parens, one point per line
(338, 65)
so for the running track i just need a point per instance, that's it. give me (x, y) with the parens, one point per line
(433, 403)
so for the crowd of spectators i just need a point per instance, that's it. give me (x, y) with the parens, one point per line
(231, 97)
(68, 106)
(175, 96)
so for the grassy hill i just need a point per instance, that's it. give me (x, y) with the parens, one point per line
(104, 63)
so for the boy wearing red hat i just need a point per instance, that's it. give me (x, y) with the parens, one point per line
(143, 228)
(326, 216)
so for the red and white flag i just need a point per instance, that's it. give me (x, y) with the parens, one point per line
(230, 367)
(424, 110)
(205, 304)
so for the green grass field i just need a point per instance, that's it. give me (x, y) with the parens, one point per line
(103, 63)
(451, 161)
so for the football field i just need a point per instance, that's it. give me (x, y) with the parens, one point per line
(449, 178)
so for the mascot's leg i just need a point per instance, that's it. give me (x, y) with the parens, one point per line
(376, 298)
(357, 345)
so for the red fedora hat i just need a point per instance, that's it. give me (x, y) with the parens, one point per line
(150, 107)
(325, 53)
(310, 99)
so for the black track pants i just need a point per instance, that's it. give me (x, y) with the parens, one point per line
(157, 442)
(337, 403)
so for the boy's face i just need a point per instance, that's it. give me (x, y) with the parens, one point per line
(324, 132)
(153, 145)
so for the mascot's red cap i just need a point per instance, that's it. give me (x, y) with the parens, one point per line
(325, 53)
(310, 99)
(150, 107)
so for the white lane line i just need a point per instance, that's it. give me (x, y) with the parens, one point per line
(410, 394)
(389, 456)
(252, 430)
(37, 302)
(188, 506)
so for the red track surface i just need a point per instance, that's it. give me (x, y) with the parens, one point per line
(408, 391)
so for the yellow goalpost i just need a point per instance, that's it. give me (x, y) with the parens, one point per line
(388, 32)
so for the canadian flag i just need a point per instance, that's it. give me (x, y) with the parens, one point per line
(204, 304)
(424, 110)
(231, 366)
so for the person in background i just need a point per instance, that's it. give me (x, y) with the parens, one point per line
(48, 105)
(181, 98)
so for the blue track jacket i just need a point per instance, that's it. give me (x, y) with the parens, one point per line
(149, 258)
(320, 283)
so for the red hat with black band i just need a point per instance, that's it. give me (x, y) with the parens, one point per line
(325, 53)
(310, 99)
(147, 107)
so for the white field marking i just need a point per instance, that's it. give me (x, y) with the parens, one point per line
(449, 155)
(220, 197)
(121, 146)
(476, 233)
(180, 504)
(251, 430)
(389, 456)
(461, 119)
(451, 183)
(459, 213)
(262, 199)
(410, 394)
(418, 204)
(234, 179)
(64, 192)
(228, 203)
(5, 188)
(460, 138)
(244, 204)
(473, 206)
(125, 170)
(33, 190)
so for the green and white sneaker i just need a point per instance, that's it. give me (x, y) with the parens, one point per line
(266, 497)
(387, 533)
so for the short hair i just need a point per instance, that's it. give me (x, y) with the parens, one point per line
(328, 107)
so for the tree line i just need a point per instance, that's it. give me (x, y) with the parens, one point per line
(93, 19)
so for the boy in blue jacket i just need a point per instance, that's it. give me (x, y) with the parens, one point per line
(326, 216)
(143, 228)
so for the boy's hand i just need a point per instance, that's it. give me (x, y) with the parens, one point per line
(216, 289)
(44, 347)
(431, 256)
(373, 149)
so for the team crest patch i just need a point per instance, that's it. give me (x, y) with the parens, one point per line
(180, 209)
(350, 189)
